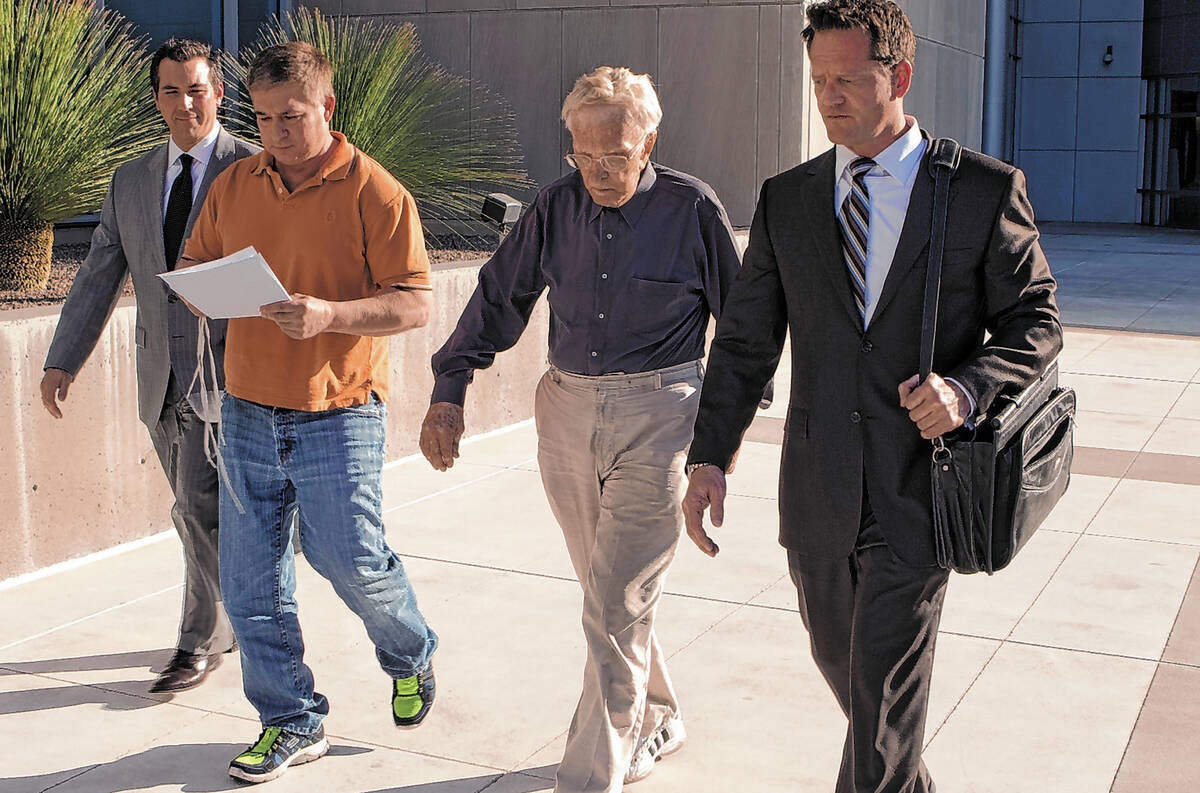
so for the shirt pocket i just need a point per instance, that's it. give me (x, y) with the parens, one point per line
(657, 307)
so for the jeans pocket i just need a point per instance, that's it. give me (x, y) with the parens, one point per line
(374, 406)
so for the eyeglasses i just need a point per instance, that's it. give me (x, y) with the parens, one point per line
(609, 162)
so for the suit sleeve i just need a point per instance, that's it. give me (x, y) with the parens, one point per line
(746, 349)
(1020, 312)
(94, 293)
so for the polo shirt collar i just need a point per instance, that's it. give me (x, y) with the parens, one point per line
(632, 209)
(335, 168)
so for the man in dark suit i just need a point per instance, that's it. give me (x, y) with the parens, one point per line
(148, 212)
(837, 257)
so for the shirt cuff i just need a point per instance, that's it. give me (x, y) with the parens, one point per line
(451, 387)
(969, 419)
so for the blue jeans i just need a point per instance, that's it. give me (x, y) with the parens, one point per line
(326, 467)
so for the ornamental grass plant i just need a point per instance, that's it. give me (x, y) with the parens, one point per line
(446, 141)
(73, 105)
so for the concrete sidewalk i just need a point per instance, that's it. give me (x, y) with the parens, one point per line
(1077, 670)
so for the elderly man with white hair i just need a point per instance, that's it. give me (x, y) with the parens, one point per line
(636, 257)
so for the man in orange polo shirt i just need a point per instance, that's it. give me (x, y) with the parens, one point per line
(302, 425)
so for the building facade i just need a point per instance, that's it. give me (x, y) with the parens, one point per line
(1104, 108)
(1076, 132)
(1170, 186)
(731, 74)
(1098, 103)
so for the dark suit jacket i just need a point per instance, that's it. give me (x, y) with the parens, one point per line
(129, 240)
(844, 420)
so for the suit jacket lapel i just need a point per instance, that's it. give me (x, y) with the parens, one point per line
(152, 206)
(914, 236)
(824, 231)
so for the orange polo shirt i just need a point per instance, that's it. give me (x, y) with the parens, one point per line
(343, 235)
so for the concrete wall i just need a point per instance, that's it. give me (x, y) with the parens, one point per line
(732, 76)
(92, 480)
(947, 93)
(726, 74)
(1079, 133)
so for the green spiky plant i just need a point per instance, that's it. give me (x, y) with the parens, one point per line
(73, 106)
(446, 143)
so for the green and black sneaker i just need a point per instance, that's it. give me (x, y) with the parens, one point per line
(275, 750)
(412, 697)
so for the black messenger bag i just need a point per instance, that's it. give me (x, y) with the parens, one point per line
(994, 485)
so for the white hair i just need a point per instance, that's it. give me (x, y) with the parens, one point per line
(616, 86)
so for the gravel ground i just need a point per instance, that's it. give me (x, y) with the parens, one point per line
(67, 259)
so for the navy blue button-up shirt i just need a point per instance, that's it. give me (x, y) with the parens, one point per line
(631, 288)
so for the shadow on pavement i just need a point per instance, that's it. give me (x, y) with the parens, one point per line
(89, 663)
(526, 780)
(189, 767)
(129, 695)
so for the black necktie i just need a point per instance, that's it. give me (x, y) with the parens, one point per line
(179, 206)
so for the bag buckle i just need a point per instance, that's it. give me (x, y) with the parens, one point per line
(941, 454)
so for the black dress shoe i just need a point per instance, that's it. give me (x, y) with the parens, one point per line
(186, 670)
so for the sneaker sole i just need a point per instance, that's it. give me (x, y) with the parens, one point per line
(305, 755)
(412, 722)
(671, 747)
(629, 780)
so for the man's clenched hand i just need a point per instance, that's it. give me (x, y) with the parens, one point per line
(935, 406)
(441, 431)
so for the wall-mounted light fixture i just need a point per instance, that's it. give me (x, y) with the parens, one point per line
(1108, 56)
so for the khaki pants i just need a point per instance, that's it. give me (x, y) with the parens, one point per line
(611, 451)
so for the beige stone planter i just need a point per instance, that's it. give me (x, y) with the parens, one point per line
(92, 480)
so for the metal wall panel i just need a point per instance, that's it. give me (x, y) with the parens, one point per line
(1050, 176)
(519, 56)
(1109, 10)
(1102, 129)
(1050, 49)
(1106, 185)
(1050, 11)
(709, 127)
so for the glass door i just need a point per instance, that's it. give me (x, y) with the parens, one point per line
(1171, 185)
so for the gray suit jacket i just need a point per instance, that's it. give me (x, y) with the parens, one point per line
(997, 330)
(129, 240)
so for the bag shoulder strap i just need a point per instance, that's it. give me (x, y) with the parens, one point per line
(943, 158)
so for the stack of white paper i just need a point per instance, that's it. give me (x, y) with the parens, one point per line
(234, 286)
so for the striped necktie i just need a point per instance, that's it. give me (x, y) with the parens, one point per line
(855, 220)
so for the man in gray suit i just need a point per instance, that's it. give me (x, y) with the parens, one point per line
(148, 212)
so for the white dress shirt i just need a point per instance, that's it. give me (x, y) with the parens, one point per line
(201, 153)
(889, 188)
